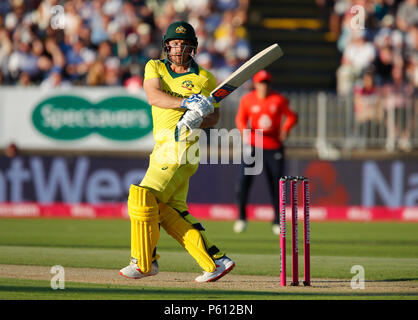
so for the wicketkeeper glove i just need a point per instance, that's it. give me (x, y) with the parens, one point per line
(198, 103)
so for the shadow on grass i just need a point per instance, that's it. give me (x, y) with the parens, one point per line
(380, 242)
(368, 281)
(154, 293)
(395, 280)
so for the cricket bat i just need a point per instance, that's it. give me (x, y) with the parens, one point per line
(246, 71)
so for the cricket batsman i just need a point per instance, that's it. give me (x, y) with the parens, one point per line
(177, 88)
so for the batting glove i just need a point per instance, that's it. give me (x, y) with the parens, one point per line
(191, 120)
(199, 103)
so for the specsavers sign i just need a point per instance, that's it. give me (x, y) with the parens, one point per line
(72, 118)
(83, 119)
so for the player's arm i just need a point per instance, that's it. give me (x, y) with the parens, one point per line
(157, 97)
(211, 119)
(291, 120)
(241, 119)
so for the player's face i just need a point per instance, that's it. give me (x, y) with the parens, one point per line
(179, 51)
(262, 88)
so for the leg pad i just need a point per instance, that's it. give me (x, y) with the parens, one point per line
(145, 231)
(187, 235)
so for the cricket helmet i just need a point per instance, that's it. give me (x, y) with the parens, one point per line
(180, 30)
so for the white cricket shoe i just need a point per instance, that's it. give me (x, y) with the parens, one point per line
(276, 229)
(132, 271)
(223, 266)
(240, 226)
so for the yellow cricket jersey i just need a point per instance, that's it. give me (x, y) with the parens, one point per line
(171, 164)
(197, 80)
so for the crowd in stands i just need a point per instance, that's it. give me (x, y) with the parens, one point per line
(385, 42)
(378, 42)
(55, 43)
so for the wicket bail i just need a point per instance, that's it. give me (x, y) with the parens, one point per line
(306, 229)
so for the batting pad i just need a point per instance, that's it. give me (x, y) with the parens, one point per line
(188, 236)
(145, 232)
(211, 249)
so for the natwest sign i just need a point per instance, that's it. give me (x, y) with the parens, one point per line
(364, 188)
(394, 186)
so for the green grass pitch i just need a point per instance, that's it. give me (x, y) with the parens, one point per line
(388, 252)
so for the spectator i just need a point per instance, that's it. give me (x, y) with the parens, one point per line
(53, 50)
(392, 24)
(96, 74)
(55, 80)
(133, 84)
(383, 34)
(44, 13)
(358, 56)
(229, 29)
(381, 8)
(397, 106)
(76, 67)
(11, 150)
(384, 65)
(197, 7)
(102, 29)
(412, 39)
(104, 51)
(412, 71)
(145, 43)
(24, 80)
(411, 55)
(343, 14)
(23, 60)
(224, 5)
(112, 72)
(126, 17)
(44, 63)
(230, 65)
(73, 20)
(204, 59)
(407, 14)
(212, 19)
(99, 24)
(133, 63)
(367, 108)
(5, 7)
(6, 48)
(15, 17)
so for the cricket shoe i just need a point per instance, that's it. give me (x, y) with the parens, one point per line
(240, 226)
(132, 271)
(223, 266)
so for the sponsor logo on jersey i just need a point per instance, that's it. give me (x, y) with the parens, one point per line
(187, 84)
